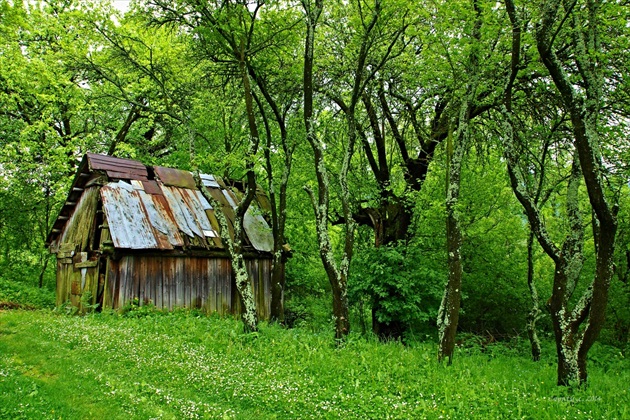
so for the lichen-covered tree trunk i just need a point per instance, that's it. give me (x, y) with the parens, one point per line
(234, 248)
(448, 314)
(337, 272)
(584, 107)
(243, 283)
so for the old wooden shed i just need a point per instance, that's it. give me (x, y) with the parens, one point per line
(129, 231)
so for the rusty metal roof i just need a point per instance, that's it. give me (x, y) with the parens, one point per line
(118, 167)
(165, 211)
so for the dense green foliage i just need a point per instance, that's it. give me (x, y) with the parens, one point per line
(407, 291)
(186, 366)
(16, 294)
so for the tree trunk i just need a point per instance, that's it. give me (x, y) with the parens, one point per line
(534, 313)
(340, 309)
(234, 248)
(584, 108)
(337, 273)
(277, 287)
(244, 286)
(448, 314)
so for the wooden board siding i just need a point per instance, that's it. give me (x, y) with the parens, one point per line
(64, 282)
(190, 282)
(73, 283)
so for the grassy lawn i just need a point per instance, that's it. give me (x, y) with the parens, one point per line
(184, 366)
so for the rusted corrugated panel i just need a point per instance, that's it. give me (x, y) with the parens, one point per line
(118, 167)
(198, 206)
(190, 212)
(179, 211)
(137, 185)
(175, 177)
(204, 203)
(162, 224)
(162, 207)
(128, 223)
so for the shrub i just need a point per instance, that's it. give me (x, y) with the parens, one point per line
(15, 294)
(396, 285)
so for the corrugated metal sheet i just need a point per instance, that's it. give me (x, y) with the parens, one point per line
(181, 214)
(138, 220)
(128, 223)
(209, 181)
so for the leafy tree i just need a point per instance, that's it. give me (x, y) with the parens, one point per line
(577, 328)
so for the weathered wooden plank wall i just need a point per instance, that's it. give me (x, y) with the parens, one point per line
(81, 223)
(191, 282)
(75, 283)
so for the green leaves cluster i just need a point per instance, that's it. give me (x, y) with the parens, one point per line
(395, 276)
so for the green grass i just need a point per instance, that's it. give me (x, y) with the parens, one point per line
(187, 366)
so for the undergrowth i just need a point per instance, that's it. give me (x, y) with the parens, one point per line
(16, 294)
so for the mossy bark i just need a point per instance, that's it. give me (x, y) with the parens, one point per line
(337, 272)
(448, 313)
(583, 107)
